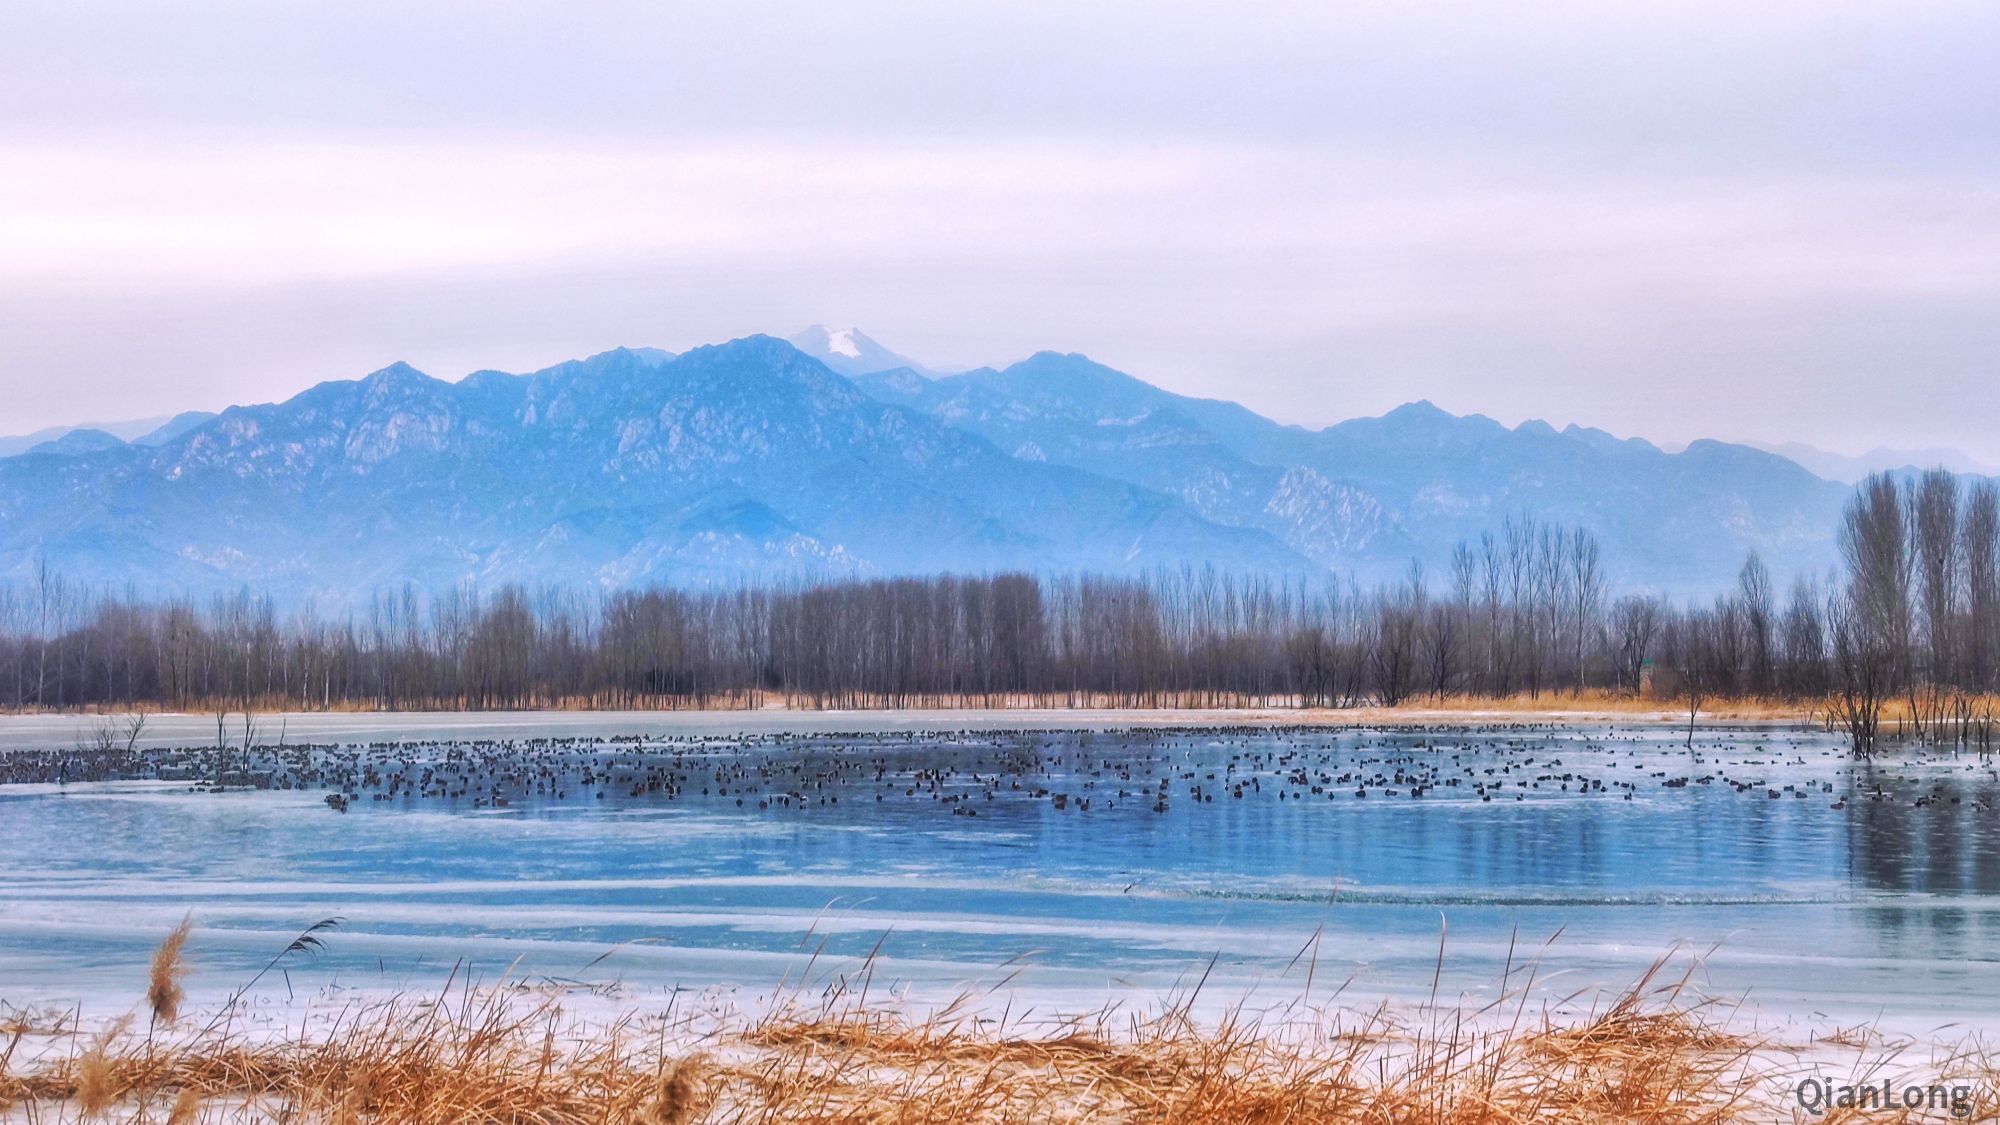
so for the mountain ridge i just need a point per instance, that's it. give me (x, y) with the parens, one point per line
(1408, 484)
(618, 470)
(752, 459)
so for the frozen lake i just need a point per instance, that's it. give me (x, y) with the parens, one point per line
(1059, 868)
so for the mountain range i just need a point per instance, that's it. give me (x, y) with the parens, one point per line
(829, 454)
(139, 431)
(1853, 468)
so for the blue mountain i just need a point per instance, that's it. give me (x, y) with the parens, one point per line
(1368, 495)
(753, 460)
(741, 460)
(141, 430)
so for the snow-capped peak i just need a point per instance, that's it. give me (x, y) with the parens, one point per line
(842, 343)
(849, 351)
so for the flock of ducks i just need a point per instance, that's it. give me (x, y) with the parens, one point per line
(1078, 772)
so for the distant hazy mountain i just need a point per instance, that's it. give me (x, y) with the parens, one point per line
(173, 427)
(1370, 494)
(850, 352)
(746, 459)
(754, 459)
(1851, 469)
(81, 440)
(143, 430)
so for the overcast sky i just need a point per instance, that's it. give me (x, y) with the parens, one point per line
(1774, 220)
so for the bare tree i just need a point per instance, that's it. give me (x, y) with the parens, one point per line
(1399, 618)
(1873, 638)
(1586, 593)
(1696, 669)
(1804, 643)
(1759, 621)
(1441, 638)
(102, 737)
(1934, 549)
(1979, 549)
(1863, 670)
(1635, 621)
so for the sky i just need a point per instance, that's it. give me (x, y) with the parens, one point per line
(1776, 220)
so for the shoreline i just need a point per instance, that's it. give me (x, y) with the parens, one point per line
(196, 729)
(1656, 1050)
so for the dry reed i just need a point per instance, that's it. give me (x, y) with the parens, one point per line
(504, 1054)
(163, 988)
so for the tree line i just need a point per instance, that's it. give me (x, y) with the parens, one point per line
(1909, 623)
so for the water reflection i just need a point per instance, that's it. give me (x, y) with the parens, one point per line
(1928, 826)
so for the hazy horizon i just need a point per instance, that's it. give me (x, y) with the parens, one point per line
(1772, 443)
(1673, 222)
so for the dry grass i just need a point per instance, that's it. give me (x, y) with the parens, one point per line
(163, 979)
(506, 1055)
(1274, 708)
(405, 1062)
(1590, 704)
